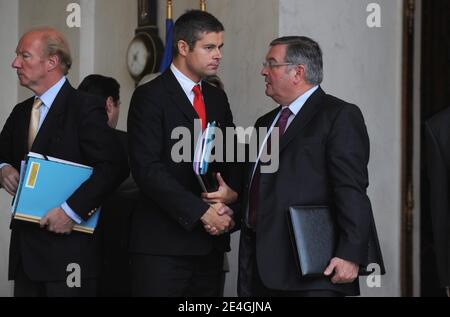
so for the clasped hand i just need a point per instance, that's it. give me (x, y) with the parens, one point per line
(218, 219)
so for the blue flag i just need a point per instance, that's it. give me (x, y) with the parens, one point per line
(167, 58)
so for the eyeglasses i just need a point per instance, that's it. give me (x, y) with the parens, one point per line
(272, 64)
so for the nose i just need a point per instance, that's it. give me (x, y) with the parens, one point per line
(218, 54)
(264, 71)
(15, 63)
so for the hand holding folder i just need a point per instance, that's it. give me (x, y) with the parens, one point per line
(46, 183)
(314, 237)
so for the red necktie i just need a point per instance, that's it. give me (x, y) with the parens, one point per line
(199, 105)
(254, 186)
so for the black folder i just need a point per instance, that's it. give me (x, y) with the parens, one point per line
(208, 182)
(313, 235)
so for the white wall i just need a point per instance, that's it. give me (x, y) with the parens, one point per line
(362, 65)
(9, 12)
(115, 22)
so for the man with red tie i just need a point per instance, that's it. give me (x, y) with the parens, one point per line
(172, 254)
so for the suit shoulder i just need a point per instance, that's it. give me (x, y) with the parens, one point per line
(339, 103)
(214, 90)
(24, 104)
(21, 108)
(338, 106)
(152, 88)
(268, 116)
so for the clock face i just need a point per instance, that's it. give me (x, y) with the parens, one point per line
(137, 57)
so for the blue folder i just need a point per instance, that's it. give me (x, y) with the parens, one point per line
(202, 155)
(47, 183)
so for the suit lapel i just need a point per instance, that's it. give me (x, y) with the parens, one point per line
(178, 96)
(265, 122)
(23, 126)
(306, 113)
(50, 123)
(211, 109)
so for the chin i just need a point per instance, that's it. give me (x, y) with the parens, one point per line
(211, 72)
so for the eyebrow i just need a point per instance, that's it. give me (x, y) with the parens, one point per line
(18, 51)
(213, 45)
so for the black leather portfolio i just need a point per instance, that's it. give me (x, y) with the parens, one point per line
(314, 234)
(313, 238)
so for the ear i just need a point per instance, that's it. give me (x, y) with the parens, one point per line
(300, 74)
(109, 107)
(53, 62)
(183, 48)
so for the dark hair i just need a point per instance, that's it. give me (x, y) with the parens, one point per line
(302, 50)
(190, 26)
(101, 86)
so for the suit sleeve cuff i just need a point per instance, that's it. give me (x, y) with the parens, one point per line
(70, 213)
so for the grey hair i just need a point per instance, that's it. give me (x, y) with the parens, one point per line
(302, 50)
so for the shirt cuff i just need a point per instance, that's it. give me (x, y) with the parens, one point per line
(4, 164)
(69, 212)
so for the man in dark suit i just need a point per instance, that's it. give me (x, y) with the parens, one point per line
(437, 133)
(63, 123)
(115, 221)
(323, 156)
(172, 254)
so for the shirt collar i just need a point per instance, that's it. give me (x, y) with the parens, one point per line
(300, 101)
(49, 96)
(186, 83)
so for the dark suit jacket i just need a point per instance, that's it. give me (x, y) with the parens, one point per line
(323, 159)
(115, 224)
(437, 133)
(75, 129)
(166, 220)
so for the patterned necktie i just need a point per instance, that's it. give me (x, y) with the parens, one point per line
(34, 122)
(282, 122)
(199, 105)
(254, 187)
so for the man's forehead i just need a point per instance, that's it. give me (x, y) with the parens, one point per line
(210, 36)
(276, 52)
(29, 41)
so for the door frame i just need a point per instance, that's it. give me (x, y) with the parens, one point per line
(407, 137)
